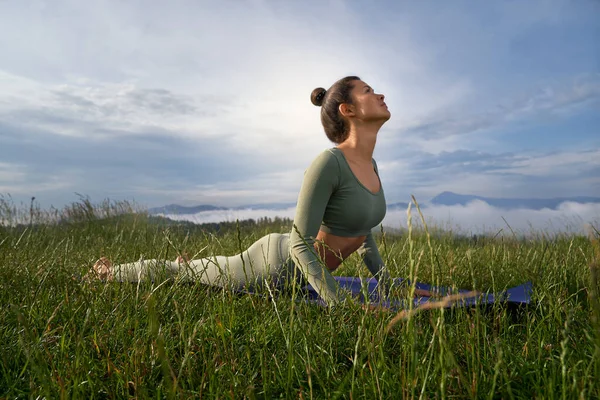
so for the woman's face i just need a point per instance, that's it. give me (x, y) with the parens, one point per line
(368, 105)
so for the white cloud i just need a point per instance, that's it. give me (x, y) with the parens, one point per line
(557, 165)
(457, 127)
(478, 217)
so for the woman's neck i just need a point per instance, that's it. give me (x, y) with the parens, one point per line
(360, 143)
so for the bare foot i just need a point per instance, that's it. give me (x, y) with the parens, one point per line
(182, 258)
(101, 270)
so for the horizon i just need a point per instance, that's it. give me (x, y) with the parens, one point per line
(474, 217)
(477, 217)
(164, 104)
(564, 198)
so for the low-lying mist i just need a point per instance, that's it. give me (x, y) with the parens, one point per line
(477, 217)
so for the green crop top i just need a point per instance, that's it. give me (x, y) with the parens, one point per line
(332, 199)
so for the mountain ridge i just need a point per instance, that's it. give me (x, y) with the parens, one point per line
(180, 210)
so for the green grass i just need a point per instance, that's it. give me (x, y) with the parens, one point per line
(60, 338)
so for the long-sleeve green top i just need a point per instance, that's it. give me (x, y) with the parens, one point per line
(332, 199)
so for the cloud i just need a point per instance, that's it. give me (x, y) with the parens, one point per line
(97, 109)
(123, 101)
(479, 217)
(533, 107)
(568, 164)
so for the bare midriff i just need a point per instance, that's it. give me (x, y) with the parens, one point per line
(334, 249)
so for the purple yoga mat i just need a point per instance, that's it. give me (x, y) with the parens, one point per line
(358, 286)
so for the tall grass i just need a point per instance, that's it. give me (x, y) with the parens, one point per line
(62, 338)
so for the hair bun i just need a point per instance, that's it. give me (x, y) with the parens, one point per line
(317, 96)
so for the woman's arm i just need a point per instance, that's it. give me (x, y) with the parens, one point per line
(372, 258)
(320, 180)
(374, 263)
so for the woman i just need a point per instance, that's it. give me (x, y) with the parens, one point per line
(340, 201)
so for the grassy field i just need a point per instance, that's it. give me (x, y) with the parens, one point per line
(61, 338)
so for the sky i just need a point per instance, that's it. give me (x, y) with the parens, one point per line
(208, 102)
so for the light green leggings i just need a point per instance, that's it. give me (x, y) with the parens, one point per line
(266, 261)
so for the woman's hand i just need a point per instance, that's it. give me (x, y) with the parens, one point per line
(375, 308)
(425, 293)
(404, 291)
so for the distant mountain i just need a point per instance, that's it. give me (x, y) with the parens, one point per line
(177, 209)
(266, 206)
(451, 199)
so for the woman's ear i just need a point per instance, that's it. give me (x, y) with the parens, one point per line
(346, 110)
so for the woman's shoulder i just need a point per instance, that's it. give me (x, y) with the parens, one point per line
(326, 158)
(326, 163)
